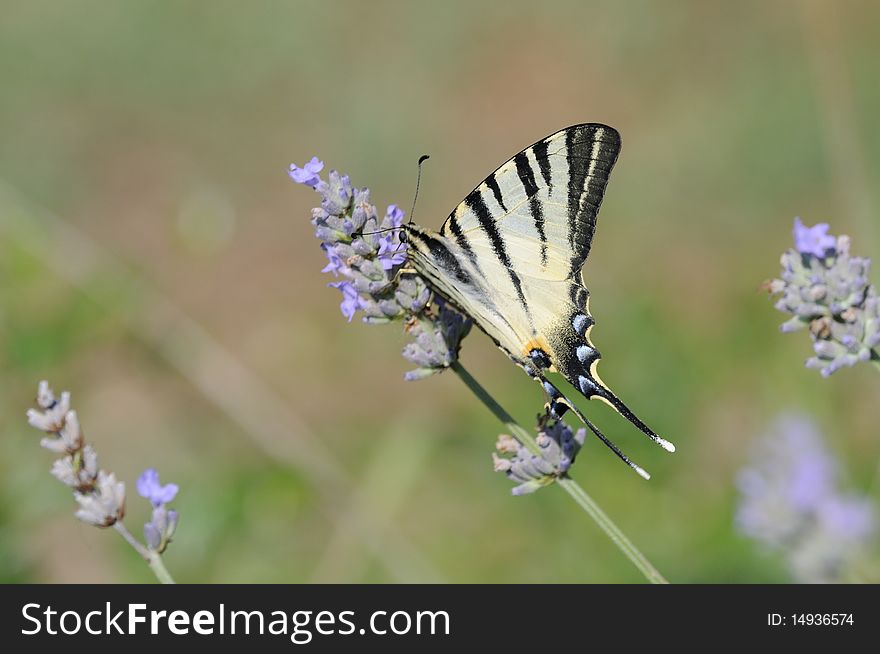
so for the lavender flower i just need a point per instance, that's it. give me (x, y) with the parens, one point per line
(308, 174)
(790, 503)
(159, 530)
(558, 445)
(391, 251)
(827, 290)
(368, 255)
(437, 339)
(148, 487)
(813, 240)
(351, 300)
(100, 496)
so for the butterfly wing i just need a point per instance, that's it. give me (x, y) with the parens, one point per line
(540, 207)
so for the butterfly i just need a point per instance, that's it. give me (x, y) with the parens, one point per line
(510, 257)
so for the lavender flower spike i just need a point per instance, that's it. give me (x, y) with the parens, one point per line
(437, 340)
(790, 503)
(558, 445)
(367, 254)
(159, 530)
(827, 290)
(100, 496)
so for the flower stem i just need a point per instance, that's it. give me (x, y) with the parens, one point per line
(153, 559)
(577, 493)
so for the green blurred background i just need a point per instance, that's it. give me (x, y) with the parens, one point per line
(156, 261)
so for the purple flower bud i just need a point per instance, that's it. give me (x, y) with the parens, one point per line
(159, 530)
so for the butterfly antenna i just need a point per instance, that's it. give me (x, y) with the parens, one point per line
(412, 211)
(379, 231)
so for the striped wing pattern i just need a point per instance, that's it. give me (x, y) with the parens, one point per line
(510, 256)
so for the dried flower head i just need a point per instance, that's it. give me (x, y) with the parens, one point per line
(105, 504)
(78, 470)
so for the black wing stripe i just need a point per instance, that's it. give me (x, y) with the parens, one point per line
(477, 204)
(591, 152)
(441, 254)
(578, 155)
(526, 174)
(461, 239)
(492, 183)
(540, 152)
(527, 177)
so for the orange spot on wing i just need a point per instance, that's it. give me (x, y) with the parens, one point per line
(538, 343)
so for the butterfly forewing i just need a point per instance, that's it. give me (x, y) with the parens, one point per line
(544, 200)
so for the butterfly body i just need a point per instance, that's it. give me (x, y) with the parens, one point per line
(510, 257)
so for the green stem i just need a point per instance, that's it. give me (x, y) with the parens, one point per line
(153, 559)
(577, 493)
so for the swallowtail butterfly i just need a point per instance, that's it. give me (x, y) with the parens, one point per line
(510, 257)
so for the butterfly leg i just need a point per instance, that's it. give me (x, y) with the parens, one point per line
(558, 404)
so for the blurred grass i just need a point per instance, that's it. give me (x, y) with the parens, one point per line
(160, 132)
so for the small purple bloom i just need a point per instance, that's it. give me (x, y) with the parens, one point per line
(148, 486)
(336, 264)
(813, 240)
(351, 300)
(391, 251)
(308, 174)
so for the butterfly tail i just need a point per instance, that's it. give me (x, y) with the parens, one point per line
(595, 388)
(558, 404)
(580, 371)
